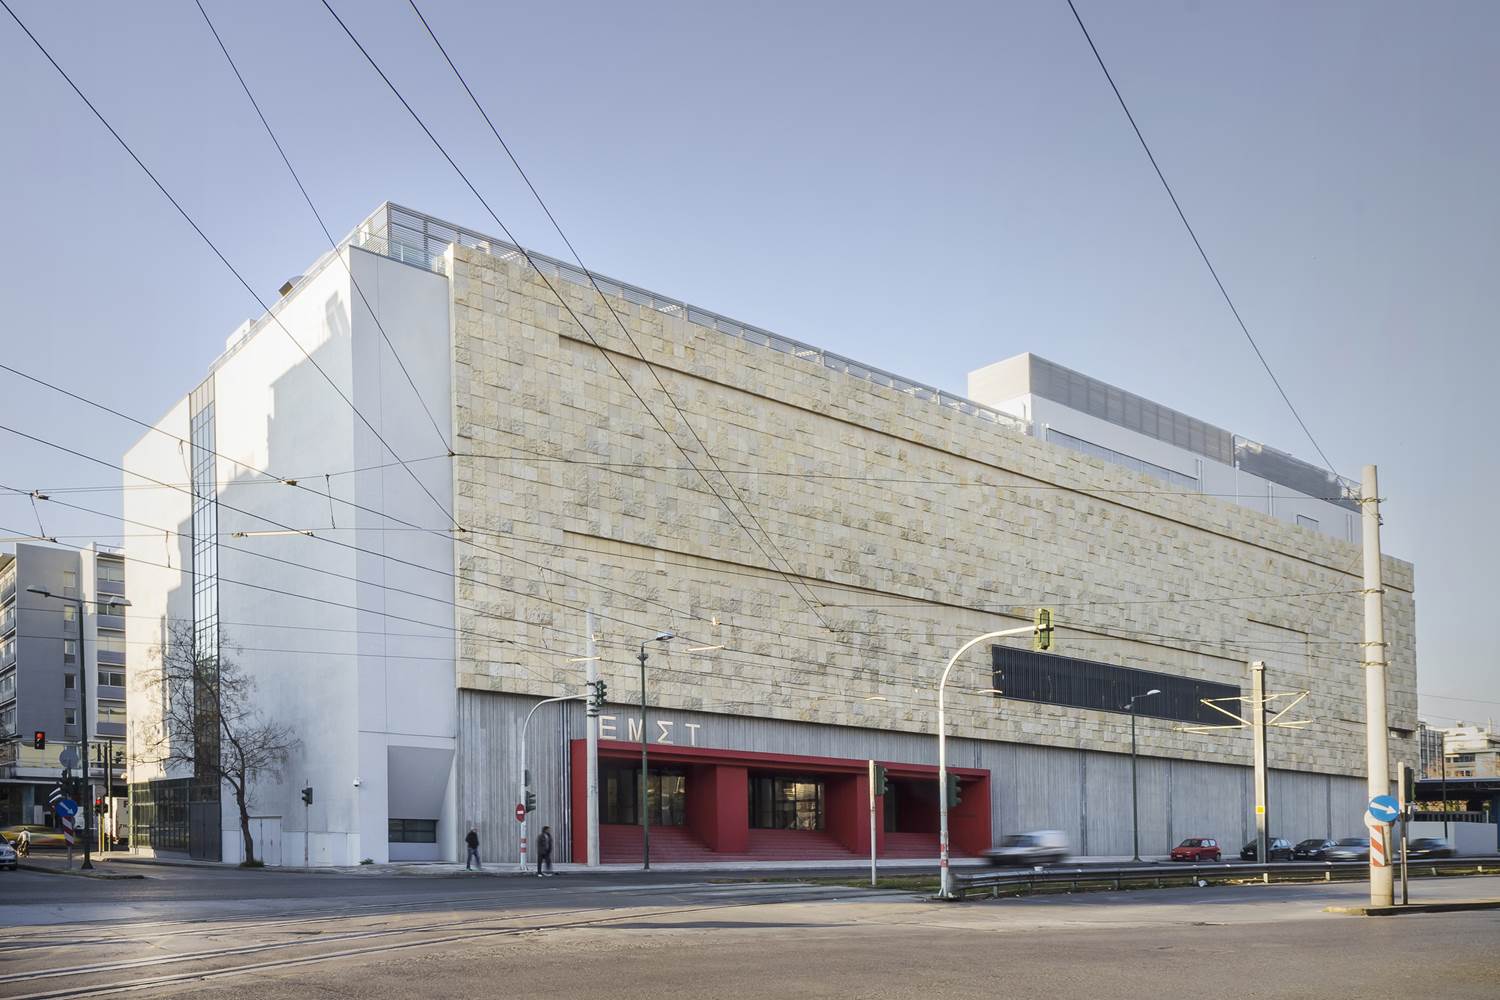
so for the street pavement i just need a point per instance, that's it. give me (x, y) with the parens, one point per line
(221, 932)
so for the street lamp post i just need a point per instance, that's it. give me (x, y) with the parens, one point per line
(645, 758)
(83, 697)
(945, 882)
(526, 774)
(1135, 809)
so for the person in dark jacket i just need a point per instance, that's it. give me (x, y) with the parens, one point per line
(473, 858)
(544, 852)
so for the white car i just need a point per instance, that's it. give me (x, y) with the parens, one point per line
(7, 855)
(1042, 847)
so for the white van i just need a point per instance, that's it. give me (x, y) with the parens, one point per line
(1042, 847)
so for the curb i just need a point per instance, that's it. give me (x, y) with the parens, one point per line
(1455, 906)
(76, 872)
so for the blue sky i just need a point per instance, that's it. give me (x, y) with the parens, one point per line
(927, 188)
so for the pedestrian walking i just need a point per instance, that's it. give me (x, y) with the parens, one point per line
(473, 859)
(544, 852)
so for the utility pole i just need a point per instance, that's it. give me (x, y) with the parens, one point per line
(872, 824)
(1258, 731)
(1382, 888)
(592, 724)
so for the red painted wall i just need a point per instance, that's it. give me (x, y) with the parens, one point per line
(578, 798)
(969, 821)
(846, 810)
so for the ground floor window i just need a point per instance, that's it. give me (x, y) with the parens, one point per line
(159, 814)
(620, 792)
(412, 831)
(780, 802)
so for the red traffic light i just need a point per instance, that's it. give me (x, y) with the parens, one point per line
(39, 739)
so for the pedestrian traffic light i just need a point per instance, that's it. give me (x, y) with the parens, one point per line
(954, 791)
(307, 795)
(39, 739)
(880, 782)
(530, 801)
(1041, 635)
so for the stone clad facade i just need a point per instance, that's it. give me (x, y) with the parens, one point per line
(908, 525)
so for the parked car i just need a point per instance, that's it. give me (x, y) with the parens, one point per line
(1428, 847)
(1311, 849)
(7, 855)
(1041, 847)
(1197, 849)
(1349, 849)
(1277, 849)
(41, 836)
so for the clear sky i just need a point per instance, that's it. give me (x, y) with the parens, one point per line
(829, 171)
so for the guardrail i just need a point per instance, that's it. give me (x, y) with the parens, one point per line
(1190, 874)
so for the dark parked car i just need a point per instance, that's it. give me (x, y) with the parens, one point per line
(1277, 849)
(1311, 849)
(1197, 849)
(1349, 849)
(1428, 847)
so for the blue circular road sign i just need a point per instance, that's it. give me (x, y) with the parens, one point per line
(1383, 809)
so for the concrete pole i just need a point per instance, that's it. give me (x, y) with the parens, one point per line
(592, 722)
(1258, 730)
(645, 802)
(1382, 887)
(1135, 794)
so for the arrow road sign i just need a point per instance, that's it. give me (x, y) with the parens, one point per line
(65, 807)
(1383, 809)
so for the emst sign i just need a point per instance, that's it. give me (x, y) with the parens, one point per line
(667, 732)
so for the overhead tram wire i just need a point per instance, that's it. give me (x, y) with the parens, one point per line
(222, 258)
(332, 243)
(466, 538)
(604, 352)
(595, 284)
(1198, 243)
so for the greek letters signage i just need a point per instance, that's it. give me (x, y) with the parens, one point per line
(664, 731)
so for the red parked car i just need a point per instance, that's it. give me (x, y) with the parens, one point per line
(1196, 849)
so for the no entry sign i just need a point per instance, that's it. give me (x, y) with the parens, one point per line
(520, 812)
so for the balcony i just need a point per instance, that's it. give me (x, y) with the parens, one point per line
(110, 657)
(109, 692)
(7, 621)
(115, 729)
(106, 619)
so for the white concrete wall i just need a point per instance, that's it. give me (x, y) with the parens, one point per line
(351, 683)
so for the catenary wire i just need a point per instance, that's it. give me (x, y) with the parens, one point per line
(605, 353)
(222, 258)
(1197, 243)
(630, 338)
(332, 243)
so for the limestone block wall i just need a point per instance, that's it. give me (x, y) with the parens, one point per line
(859, 535)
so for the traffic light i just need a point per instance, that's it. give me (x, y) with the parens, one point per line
(307, 795)
(880, 783)
(1041, 635)
(39, 739)
(954, 792)
(530, 801)
(598, 692)
(1408, 785)
(101, 805)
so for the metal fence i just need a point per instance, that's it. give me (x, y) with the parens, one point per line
(1161, 875)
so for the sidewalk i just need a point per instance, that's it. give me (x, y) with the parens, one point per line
(56, 863)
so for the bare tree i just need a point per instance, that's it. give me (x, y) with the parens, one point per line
(209, 721)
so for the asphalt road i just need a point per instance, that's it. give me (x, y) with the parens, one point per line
(222, 933)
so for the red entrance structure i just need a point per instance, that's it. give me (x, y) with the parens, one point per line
(718, 806)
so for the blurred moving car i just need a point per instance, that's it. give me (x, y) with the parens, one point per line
(1349, 849)
(1041, 847)
(7, 855)
(1277, 849)
(1311, 849)
(1197, 849)
(1428, 847)
(41, 836)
